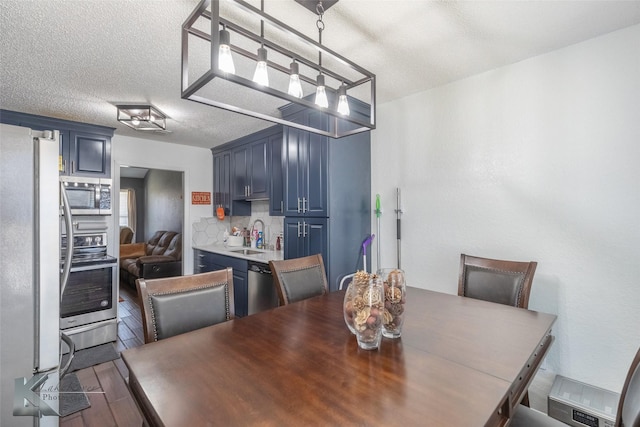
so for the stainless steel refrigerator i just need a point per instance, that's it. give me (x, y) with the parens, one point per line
(29, 276)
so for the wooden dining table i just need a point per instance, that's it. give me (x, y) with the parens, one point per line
(460, 362)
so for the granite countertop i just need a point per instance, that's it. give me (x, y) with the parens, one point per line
(257, 255)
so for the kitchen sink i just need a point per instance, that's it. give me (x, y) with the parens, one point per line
(245, 251)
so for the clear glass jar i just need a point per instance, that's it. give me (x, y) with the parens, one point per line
(395, 297)
(355, 289)
(369, 309)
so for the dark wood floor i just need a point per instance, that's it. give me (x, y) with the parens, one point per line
(115, 407)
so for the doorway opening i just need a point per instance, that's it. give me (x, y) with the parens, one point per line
(151, 200)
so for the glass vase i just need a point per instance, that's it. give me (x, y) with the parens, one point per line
(355, 289)
(368, 310)
(395, 297)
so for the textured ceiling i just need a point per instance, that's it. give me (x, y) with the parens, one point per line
(76, 59)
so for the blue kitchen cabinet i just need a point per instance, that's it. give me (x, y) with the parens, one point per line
(305, 171)
(208, 261)
(306, 236)
(242, 170)
(250, 167)
(85, 150)
(89, 154)
(222, 182)
(327, 194)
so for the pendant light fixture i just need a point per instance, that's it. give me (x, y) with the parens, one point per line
(321, 90)
(279, 85)
(225, 60)
(321, 93)
(261, 76)
(343, 103)
(295, 87)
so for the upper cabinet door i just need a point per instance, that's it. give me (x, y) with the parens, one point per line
(259, 170)
(305, 170)
(294, 164)
(221, 182)
(85, 150)
(250, 171)
(317, 181)
(239, 167)
(89, 155)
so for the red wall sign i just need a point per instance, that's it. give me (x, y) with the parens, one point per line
(200, 198)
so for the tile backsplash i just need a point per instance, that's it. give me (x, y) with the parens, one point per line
(210, 230)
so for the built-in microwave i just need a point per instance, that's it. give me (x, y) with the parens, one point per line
(88, 196)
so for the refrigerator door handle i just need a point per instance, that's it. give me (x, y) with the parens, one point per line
(72, 349)
(68, 220)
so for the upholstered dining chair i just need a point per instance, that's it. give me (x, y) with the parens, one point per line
(299, 278)
(504, 282)
(628, 414)
(175, 305)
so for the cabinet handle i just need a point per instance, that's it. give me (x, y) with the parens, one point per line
(298, 204)
(305, 202)
(299, 229)
(248, 191)
(64, 166)
(281, 206)
(73, 167)
(304, 229)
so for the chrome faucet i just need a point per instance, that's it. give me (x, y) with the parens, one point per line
(264, 234)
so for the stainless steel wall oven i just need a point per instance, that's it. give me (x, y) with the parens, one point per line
(88, 306)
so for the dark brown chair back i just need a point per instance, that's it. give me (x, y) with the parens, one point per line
(299, 278)
(175, 305)
(629, 406)
(504, 282)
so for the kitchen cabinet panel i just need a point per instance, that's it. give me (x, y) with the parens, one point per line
(259, 170)
(276, 192)
(206, 261)
(89, 154)
(250, 169)
(85, 150)
(305, 170)
(221, 182)
(239, 168)
(306, 236)
(327, 194)
(249, 172)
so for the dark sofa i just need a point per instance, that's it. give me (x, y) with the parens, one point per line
(161, 256)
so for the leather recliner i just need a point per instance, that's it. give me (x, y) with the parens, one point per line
(161, 256)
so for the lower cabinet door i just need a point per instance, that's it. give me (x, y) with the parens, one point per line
(240, 293)
(207, 261)
(306, 236)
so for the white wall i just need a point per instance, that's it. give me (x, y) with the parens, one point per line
(195, 163)
(539, 161)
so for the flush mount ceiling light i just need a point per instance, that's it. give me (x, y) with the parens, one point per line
(241, 59)
(142, 117)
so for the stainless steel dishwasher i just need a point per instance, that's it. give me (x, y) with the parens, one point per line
(262, 293)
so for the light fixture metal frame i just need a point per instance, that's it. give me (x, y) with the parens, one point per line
(158, 124)
(336, 128)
